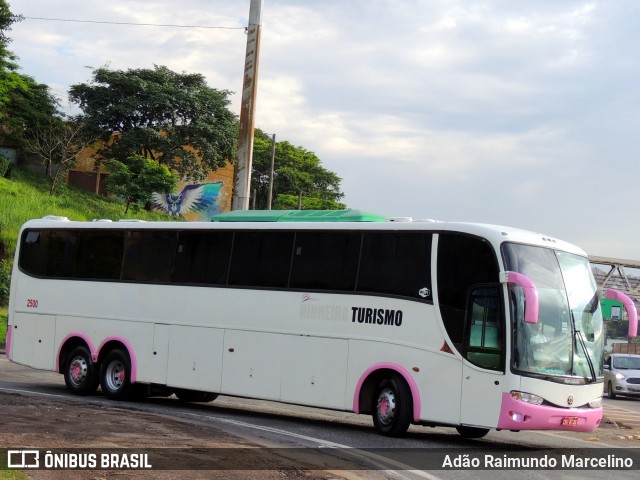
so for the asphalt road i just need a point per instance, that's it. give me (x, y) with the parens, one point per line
(352, 436)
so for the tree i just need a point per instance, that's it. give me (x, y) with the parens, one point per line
(29, 108)
(24, 103)
(58, 144)
(10, 80)
(298, 172)
(136, 180)
(172, 118)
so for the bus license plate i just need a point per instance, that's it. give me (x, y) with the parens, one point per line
(569, 421)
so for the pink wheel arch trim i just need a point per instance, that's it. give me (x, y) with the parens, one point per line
(131, 351)
(632, 313)
(94, 355)
(415, 393)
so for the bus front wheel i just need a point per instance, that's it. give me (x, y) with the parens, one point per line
(115, 375)
(392, 407)
(80, 373)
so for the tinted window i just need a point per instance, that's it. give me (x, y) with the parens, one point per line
(100, 254)
(326, 260)
(148, 255)
(49, 253)
(203, 257)
(463, 261)
(261, 259)
(396, 263)
(33, 252)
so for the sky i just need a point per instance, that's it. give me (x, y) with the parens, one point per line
(519, 113)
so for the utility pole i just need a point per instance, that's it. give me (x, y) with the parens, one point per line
(273, 161)
(242, 187)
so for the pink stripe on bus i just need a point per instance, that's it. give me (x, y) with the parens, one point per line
(94, 355)
(415, 393)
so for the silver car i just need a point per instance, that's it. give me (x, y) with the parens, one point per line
(622, 375)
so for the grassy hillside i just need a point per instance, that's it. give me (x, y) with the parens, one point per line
(26, 196)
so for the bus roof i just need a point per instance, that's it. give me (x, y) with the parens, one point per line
(298, 216)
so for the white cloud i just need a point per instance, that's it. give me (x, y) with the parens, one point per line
(521, 113)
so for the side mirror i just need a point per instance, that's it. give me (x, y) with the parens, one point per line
(629, 306)
(530, 291)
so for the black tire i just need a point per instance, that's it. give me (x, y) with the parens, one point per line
(80, 373)
(195, 396)
(115, 376)
(392, 407)
(611, 393)
(472, 432)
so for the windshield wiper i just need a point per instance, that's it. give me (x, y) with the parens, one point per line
(578, 335)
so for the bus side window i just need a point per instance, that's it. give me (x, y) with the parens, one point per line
(483, 339)
(33, 252)
(261, 259)
(100, 254)
(203, 257)
(396, 263)
(62, 253)
(148, 255)
(326, 261)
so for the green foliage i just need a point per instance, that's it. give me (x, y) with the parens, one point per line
(4, 165)
(24, 103)
(290, 202)
(136, 180)
(10, 80)
(3, 335)
(26, 196)
(5, 281)
(170, 117)
(29, 108)
(296, 171)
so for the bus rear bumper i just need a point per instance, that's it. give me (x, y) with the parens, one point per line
(519, 415)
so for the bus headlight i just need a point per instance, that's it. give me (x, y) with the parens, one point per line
(527, 397)
(596, 403)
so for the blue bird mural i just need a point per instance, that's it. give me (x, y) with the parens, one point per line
(192, 198)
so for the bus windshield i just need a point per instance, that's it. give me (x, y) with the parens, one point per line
(568, 338)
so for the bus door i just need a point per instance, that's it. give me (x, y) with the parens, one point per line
(472, 315)
(483, 352)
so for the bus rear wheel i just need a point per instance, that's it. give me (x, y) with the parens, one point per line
(115, 375)
(392, 407)
(80, 373)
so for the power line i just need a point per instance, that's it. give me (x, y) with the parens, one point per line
(131, 23)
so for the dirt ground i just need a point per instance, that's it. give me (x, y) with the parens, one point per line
(44, 424)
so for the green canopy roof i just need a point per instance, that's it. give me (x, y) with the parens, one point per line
(298, 216)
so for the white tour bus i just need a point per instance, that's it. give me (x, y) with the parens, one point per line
(414, 322)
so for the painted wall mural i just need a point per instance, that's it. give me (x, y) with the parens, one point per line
(199, 201)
